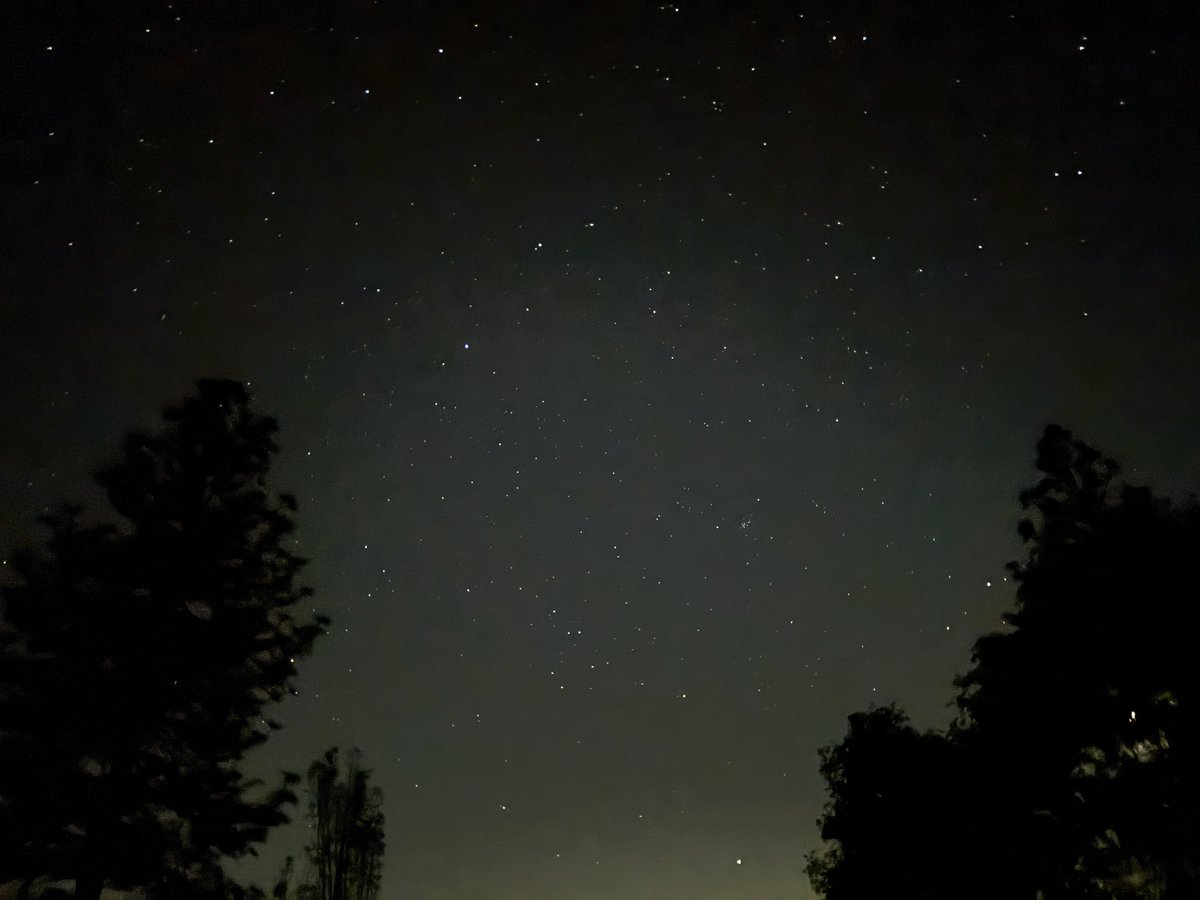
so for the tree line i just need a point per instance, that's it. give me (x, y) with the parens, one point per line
(140, 654)
(1072, 767)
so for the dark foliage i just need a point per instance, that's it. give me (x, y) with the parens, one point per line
(139, 655)
(1074, 768)
(895, 794)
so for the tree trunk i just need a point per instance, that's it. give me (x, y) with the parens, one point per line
(89, 884)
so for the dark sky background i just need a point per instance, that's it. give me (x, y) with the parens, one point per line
(657, 380)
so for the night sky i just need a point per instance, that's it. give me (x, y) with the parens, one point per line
(656, 380)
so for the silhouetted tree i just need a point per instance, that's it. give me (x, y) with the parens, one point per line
(280, 891)
(1074, 767)
(1086, 710)
(138, 656)
(346, 818)
(900, 820)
